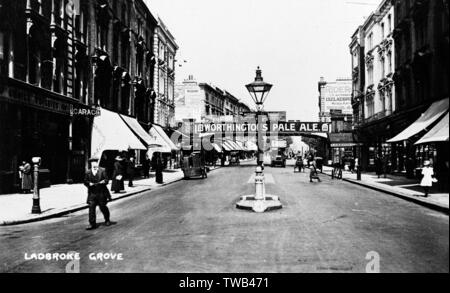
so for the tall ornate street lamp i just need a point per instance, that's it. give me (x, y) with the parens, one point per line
(259, 90)
(259, 202)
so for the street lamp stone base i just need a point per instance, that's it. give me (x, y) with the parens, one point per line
(36, 209)
(250, 203)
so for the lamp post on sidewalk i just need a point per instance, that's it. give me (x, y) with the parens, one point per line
(259, 202)
(36, 209)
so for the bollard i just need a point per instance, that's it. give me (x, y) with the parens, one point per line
(358, 174)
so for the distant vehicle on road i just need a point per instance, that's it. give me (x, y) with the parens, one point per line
(279, 160)
(194, 166)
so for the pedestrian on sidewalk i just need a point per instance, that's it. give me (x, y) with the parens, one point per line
(26, 178)
(131, 166)
(352, 165)
(159, 169)
(379, 166)
(146, 166)
(428, 177)
(410, 168)
(313, 173)
(118, 176)
(96, 181)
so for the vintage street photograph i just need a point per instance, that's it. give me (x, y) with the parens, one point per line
(224, 137)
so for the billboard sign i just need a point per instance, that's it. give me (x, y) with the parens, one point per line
(337, 96)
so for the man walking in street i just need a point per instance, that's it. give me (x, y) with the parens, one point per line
(313, 173)
(96, 181)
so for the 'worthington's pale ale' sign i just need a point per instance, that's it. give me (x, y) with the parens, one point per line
(245, 127)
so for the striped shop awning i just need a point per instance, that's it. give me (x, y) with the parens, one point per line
(217, 147)
(228, 146)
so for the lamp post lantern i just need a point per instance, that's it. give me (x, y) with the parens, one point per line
(259, 202)
(259, 90)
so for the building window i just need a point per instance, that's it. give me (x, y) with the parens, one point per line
(162, 83)
(162, 52)
(102, 37)
(370, 41)
(139, 60)
(170, 91)
(2, 47)
(60, 66)
(370, 75)
(383, 67)
(34, 57)
(389, 24)
(139, 23)
(382, 31)
(80, 27)
(355, 60)
(421, 33)
(389, 57)
(124, 50)
(171, 62)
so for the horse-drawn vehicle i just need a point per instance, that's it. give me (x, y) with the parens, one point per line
(194, 166)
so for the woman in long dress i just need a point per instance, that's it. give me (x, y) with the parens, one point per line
(118, 176)
(27, 179)
(427, 180)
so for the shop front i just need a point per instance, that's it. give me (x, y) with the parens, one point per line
(165, 146)
(343, 149)
(434, 147)
(35, 122)
(410, 149)
(111, 137)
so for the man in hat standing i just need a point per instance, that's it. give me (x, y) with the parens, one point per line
(96, 181)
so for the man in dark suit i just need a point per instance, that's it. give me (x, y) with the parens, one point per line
(96, 181)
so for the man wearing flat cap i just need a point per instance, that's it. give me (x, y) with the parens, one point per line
(96, 181)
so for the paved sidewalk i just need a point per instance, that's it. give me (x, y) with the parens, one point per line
(408, 189)
(63, 199)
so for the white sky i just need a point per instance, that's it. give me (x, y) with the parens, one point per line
(294, 41)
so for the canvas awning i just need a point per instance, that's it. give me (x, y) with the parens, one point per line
(235, 145)
(251, 146)
(138, 130)
(228, 146)
(158, 133)
(217, 147)
(434, 113)
(439, 133)
(241, 146)
(110, 132)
